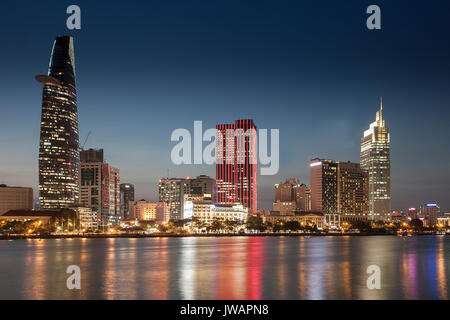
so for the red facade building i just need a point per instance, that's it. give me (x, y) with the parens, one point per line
(236, 163)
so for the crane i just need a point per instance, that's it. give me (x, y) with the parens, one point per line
(85, 140)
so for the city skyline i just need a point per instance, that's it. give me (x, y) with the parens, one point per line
(344, 117)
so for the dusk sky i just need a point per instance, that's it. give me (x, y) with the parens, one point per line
(310, 69)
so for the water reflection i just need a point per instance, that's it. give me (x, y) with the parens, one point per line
(226, 268)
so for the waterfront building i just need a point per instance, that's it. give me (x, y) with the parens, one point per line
(203, 185)
(144, 210)
(284, 192)
(59, 156)
(100, 191)
(236, 164)
(412, 213)
(87, 218)
(229, 212)
(309, 219)
(303, 197)
(323, 176)
(397, 216)
(291, 195)
(352, 191)
(14, 198)
(126, 195)
(44, 216)
(172, 191)
(203, 210)
(162, 213)
(285, 207)
(339, 190)
(375, 158)
(431, 212)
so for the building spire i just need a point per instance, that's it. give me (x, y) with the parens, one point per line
(381, 107)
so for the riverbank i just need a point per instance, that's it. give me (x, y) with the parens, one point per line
(180, 235)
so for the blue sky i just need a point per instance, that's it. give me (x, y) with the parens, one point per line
(311, 69)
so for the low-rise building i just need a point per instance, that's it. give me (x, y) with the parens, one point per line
(310, 219)
(143, 210)
(15, 198)
(203, 210)
(45, 216)
(87, 217)
(285, 207)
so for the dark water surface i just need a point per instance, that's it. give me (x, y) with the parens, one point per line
(227, 268)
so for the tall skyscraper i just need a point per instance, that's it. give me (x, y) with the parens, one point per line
(236, 164)
(126, 195)
(375, 159)
(59, 156)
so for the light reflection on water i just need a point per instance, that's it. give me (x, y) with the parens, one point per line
(227, 268)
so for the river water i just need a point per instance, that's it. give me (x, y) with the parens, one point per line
(227, 268)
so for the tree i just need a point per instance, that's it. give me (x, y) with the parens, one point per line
(292, 225)
(416, 224)
(255, 223)
(363, 226)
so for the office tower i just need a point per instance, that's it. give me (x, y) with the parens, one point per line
(59, 156)
(376, 160)
(126, 195)
(92, 155)
(302, 197)
(15, 198)
(100, 191)
(339, 188)
(172, 191)
(236, 164)
(285, 192)
(352, 191)
(431, 212)
(203, 185)
(323, 176)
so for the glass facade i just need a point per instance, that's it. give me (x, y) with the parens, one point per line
(375, 158)
(59, 156)
(236, 165)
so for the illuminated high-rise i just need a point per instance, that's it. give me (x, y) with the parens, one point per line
(126, 195)
(323, 177)
(236, 165)
(375, 159)
(59, 156)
